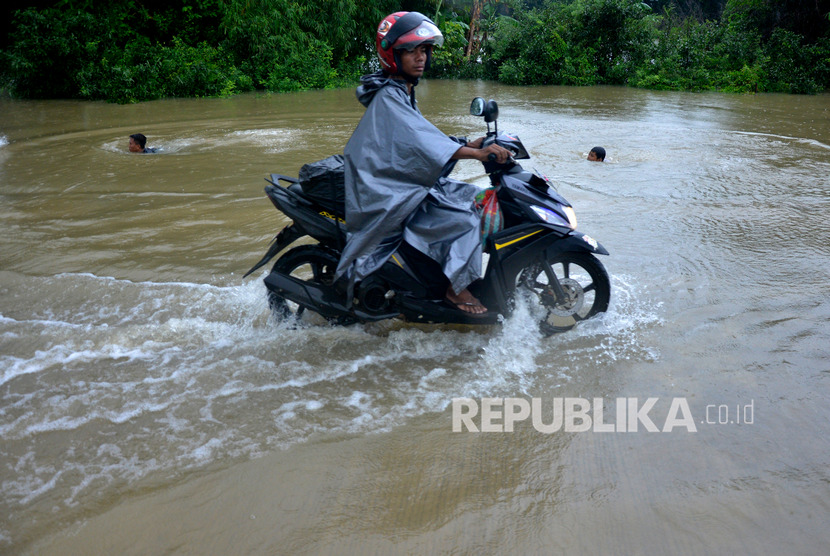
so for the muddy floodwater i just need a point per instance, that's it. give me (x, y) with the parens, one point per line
(150, 405)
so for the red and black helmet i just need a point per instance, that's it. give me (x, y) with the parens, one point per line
(404, 30)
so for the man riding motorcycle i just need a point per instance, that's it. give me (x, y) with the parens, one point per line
(395, 163)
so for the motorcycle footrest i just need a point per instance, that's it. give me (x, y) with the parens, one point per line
(436, 311)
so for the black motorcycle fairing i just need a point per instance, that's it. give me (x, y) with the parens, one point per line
(286, 237)
(312, 219)
(308, 219)
(513, 144)
(516, 195)
(515, 248)
(578, 242)
(512, 247)
(538, 185)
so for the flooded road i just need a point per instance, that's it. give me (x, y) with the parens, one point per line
(148, 404)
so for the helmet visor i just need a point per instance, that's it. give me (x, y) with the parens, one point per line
(425, 33)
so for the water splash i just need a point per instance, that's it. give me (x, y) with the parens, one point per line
(140, 378)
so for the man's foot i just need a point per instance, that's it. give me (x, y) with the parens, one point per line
(466, 302)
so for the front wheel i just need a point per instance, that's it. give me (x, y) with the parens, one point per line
(585, 289)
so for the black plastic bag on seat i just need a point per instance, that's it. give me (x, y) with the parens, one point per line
(324, 183)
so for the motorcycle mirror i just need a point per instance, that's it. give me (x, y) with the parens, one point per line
(477, 107)
(491, 111)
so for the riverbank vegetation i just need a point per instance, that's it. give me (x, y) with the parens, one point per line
(132, 51)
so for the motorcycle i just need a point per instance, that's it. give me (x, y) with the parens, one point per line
(538, 252)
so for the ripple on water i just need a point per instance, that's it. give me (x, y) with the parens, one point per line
(181, 375)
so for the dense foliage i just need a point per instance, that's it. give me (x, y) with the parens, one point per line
(133, 51)
(754, 45)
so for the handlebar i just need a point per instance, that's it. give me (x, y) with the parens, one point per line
(492, 156)
(491, 139)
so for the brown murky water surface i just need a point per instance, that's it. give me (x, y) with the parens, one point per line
(148, 405)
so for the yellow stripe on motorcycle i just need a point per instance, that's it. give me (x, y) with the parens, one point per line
(518, 239)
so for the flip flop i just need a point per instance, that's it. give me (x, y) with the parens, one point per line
(468, 304)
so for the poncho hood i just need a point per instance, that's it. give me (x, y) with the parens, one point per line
(372, 83)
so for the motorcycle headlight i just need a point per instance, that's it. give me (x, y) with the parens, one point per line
(569, 211)
(551, 217)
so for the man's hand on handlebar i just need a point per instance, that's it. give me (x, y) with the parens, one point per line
(501, 154)
(476, 144)
(490, 153)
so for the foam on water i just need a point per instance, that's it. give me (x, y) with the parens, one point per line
(271, 139)
(144, 379)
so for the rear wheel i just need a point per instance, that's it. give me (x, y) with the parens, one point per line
(310, 263)
(586, 289)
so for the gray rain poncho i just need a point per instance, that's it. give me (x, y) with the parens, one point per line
(395, 191)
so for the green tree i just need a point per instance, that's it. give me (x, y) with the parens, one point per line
(614, 34)
(132, 51)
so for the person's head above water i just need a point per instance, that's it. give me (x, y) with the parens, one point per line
(137, 143)
(404, 43)
(597, 154)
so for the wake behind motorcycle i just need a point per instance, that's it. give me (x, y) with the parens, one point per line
(538, 252)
